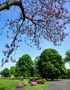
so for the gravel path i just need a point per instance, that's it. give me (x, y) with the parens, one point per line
(59, 85)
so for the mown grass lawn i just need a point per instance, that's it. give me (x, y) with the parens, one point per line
(11, 85)
(69, 82)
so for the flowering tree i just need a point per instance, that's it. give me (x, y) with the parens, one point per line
(38, 19)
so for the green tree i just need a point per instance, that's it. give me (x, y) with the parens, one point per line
(17, 71)
(12, 70)
(68, 73)
(67, 56)
(36, 66)
(51, 64)
(25, 65)
(6, 72)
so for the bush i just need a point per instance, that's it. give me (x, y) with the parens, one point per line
(12, 77)
(19, 85)
(34, 79)
(2, 88)
(25, 82)
(31, 79)
(40, 81)
(33, 83)
(21, 78)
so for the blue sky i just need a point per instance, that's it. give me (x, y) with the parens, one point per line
(32, 51)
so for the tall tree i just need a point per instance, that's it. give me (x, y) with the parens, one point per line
(6, 72)
(51, 64)
(37, 74)
(12, 70)
(25, 65)
(17, 71)
(36, 19)
(67, 56)
(68, 73)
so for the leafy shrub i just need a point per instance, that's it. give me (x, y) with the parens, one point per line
(25, 82)
(33, 79)
(40, 81)
(12, 77)
(21, 77)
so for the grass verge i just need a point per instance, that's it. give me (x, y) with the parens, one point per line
(11, 85)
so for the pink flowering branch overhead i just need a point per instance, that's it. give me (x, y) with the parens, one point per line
(39, 19)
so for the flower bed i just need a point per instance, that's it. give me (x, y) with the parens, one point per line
(19, 85)
(33, 83)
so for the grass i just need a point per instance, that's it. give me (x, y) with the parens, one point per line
(69, 82)
(11, 85)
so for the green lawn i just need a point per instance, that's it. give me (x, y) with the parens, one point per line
(11, 85)
(69, 82)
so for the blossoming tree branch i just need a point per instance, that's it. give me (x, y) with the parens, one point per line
(38, 19)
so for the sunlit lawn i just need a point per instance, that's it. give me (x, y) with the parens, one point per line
(11, 85)
(69, 82)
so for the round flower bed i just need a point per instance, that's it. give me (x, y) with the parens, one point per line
(19, 85)
(33, 83)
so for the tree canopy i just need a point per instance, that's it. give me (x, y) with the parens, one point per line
(51, 64)
(37, 74)
(6, 72)
(12, 70)
(36, 19)
(25, 65)
(67, 56)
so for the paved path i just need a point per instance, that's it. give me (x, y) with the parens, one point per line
(59, 85)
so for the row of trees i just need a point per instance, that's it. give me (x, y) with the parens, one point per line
(49, 64)
(23, 67)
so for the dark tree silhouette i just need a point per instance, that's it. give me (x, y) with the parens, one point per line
(38, 19)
